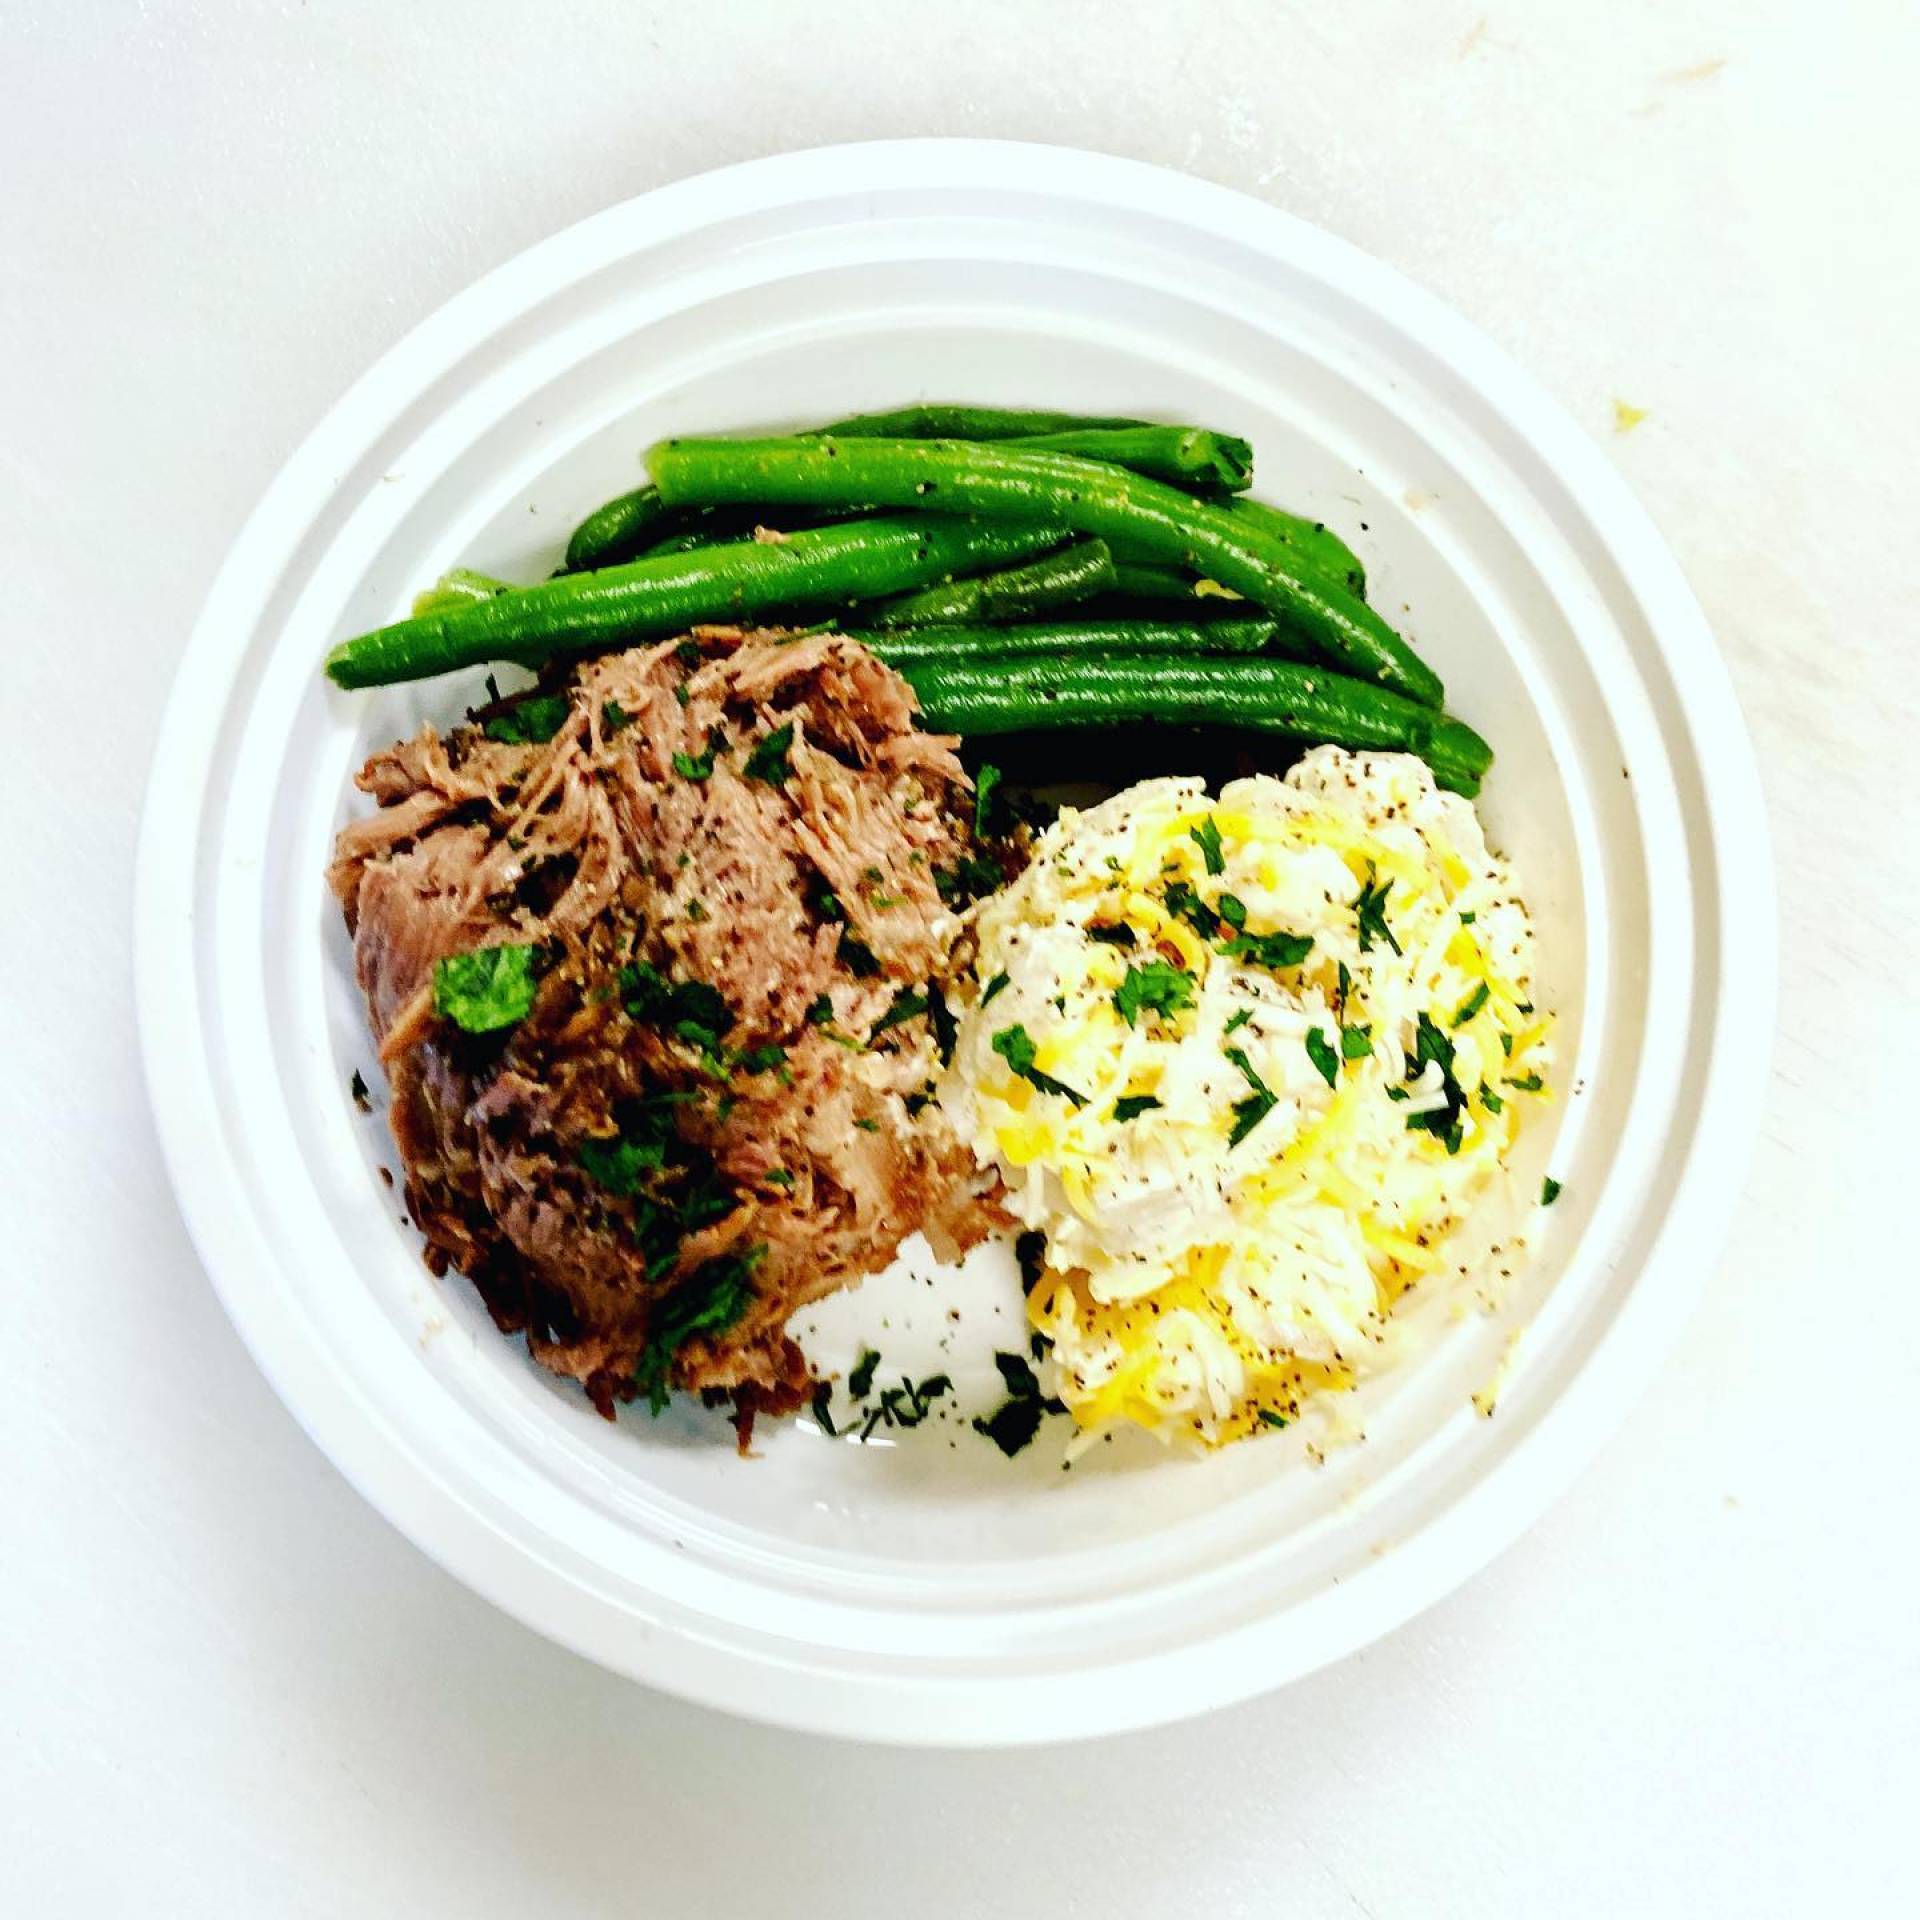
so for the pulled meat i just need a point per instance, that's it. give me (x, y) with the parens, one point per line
(727, 862)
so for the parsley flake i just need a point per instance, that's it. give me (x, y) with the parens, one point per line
(983, 786)
(1130, 1106)
(1355, 1042)
(1370, 908)
(1320, 1052)
(1274, 950)
(709, 1300)
(1550, 1191)
(1015, 1046)
(1472, 1004)
(906, 1006)
(768, 761)
(690, 1010)
(1248, 1113)
(1155, 987)
(483, 991)
(1206, 836)
(534, 721)
(700, 766)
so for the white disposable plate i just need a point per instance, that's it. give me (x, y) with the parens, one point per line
(934, 1594)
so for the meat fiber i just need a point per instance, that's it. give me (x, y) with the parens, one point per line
(728, 862)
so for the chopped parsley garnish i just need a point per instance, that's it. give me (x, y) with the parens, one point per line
(1155, 987)
(1370, 906)
(1015, 1046)
(1355, 1042)
(1030, 1256)
(1345, 988)
(1268, 1418)
(680, 693)
(820, 1011)
(709, 1300)
(822, 1410)
(1014, 1423)
(1489, 1099)
(1019, 1375)
(1443, 1121)
(763, 1059)
(672, 1184)
(971, 875)
(867, 1124)
(483, 991)
(993, 986)
(1130, 1106)
(945, 1029)
(1206, 836)
(1248, 1113)
(533, 721)
(768, 760)
(1550, 1191)
(860, 1380)
(622, 1163)
(1184, 904)
(906, 1006)
(858, 958)
(700, 767)
(1243, 1018)
(614, 718)
(1467, 919)
(983, 786)
(1111, 933)
(1275, 950)
(779, 1177)
(1233, 910)
(1320, 1052)
(690, 1010)
(357, 1087)
(1526, 1082)
(1431, 1044)
(1472, 1004)
(906, 1405)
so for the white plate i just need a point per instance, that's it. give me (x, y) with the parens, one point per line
(928, 1594)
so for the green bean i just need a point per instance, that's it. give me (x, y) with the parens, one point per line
(1313, 540)
(1054, 580)
(1191, 457)
(825, 568)
(618, 530)
(988, 696)
(460, 587)
(1139, 581)
(1160, 523)
(938, 422)
(718, 526)
(1074, 639)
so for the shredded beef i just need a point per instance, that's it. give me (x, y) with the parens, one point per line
(696, 1129)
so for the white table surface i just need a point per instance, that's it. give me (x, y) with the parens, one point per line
(226, 1687)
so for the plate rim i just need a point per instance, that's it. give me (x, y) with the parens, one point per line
(1166, 1682)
